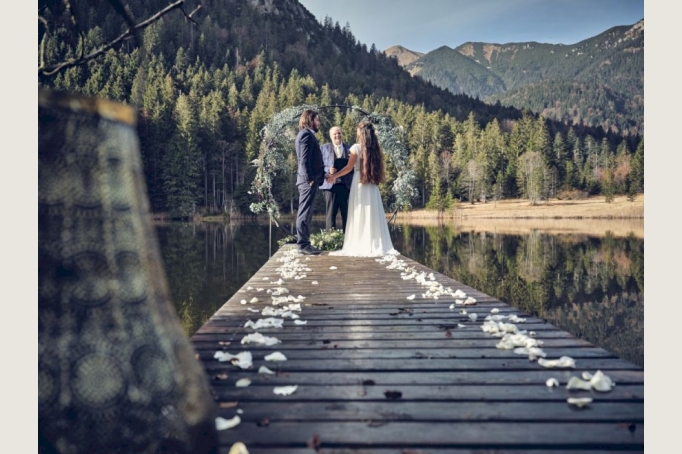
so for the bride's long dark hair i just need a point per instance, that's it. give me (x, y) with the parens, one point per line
(372, 160)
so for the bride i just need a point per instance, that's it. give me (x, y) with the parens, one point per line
(366, 232)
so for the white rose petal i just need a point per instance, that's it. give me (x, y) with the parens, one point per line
(578, 383)
(242, 383)
(258, 338)
(276, 356)
(265, 323)
(285, 390)
(333, 268)
(243, 301)
(564, 361)
(579, 401)
(494, 311)
(265, 370)
(601, 382)
(242, 359)
(473, 317)
(314, 283)
(300, 322)
(411, 297)
(551, 382)
(254, 300)
(222, 423)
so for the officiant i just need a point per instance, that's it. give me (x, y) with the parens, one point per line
(335, 157)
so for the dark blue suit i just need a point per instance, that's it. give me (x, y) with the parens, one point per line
(336, 195)
(310, 169)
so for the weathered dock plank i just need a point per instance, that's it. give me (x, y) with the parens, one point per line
(378, 372)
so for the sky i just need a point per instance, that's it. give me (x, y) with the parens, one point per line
(425, 25)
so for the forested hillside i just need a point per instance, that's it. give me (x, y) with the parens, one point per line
(449, 69)
(205, 91)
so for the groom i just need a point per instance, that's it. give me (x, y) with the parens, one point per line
(336, 194)
(310, 176)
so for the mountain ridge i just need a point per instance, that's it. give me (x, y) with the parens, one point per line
(609, 62)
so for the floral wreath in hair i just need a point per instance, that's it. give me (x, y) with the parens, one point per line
(276, 143)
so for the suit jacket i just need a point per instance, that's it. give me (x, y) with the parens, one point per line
(309, 156)
(328, 157)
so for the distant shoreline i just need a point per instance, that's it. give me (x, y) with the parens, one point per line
(591, 216)
(589, 208)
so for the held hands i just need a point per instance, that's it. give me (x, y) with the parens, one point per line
(330, 179)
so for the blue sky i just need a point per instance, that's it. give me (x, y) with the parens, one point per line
(425, 25)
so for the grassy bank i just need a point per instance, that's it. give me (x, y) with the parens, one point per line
(590, 208)
(592, 217)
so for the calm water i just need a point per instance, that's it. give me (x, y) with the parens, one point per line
(592, 287)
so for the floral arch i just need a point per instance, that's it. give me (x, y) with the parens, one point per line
(278, 141)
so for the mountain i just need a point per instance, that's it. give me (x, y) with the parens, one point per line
(596, 82)
(404, 56)
(451, 70)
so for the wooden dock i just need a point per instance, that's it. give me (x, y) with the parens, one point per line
(379, 373)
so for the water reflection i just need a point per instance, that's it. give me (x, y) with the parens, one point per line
(592, 287)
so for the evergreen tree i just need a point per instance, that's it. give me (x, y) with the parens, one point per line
(181, 170)
(637, 172)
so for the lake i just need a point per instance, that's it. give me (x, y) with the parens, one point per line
(591, 285)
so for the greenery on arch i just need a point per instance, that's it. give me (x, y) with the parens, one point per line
(277, 142)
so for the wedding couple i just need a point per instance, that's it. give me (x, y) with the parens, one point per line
(366, 230)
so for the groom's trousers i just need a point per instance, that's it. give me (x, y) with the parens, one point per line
(306, 196)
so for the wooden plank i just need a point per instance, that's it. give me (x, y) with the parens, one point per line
(397, 333)
(353, 322)
(427, 365)
(423, 450)
(274, 411)
(459, 393)
(541, 436)
(529, 377)
(380, 353)
(212, 341)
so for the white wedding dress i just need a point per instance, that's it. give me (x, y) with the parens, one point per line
(366, 232)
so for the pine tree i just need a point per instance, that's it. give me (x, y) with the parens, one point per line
(181, 170)
(637, 172)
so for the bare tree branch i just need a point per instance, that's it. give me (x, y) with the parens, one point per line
(189, 16)
(44, 38)
(133, 29)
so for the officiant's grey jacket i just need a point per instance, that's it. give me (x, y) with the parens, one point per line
(328, 157)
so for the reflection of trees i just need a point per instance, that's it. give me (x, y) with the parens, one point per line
(540, 273)
(207, 263)
(615, 323)
(181, 250)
